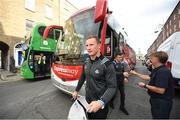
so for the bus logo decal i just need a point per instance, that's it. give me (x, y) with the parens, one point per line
(67, 72)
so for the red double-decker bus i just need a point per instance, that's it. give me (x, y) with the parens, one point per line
(71, 52)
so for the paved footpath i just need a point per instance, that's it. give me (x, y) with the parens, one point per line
(6, 76)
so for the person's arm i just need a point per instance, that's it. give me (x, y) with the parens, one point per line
(156, 89)
(79, 85)
(110, 77)
(126, 69)
(152, 88)
(111, 82)
(161, 82)
(80, 82)
(143, 77)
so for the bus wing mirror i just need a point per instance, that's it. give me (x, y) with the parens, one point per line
(100, 10)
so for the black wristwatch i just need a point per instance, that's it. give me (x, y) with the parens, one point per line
(145, 86)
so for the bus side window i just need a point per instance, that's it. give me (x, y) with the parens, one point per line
(108, 47)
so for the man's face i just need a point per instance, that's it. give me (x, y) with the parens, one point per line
(92, 46)
(154, 60)
(119, 58)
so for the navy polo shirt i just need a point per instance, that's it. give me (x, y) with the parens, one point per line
(162, 77)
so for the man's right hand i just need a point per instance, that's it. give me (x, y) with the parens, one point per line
(141, 84)
(126, 74)
(75, 95)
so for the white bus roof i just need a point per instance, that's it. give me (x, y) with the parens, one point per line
(114, 24)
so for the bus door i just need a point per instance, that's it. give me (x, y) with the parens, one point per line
(40, 63)
(111, 43)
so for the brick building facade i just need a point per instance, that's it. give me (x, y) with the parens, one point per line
(171, 26)
(17, 18)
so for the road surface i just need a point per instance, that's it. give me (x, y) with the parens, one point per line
(39, 99)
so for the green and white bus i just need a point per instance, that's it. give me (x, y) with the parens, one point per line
(38, 52)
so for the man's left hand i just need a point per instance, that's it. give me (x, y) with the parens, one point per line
(94, 106)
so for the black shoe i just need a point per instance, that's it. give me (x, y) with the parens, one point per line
(123, 110)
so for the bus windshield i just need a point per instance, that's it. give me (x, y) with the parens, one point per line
(76, 30)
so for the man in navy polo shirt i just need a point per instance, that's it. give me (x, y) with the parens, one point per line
(160, 87)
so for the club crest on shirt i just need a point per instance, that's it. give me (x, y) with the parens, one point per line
(97, 71)
(117, 66)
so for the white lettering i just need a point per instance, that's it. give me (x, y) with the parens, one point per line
(65, 70)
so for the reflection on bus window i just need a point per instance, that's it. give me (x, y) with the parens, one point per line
(108, 46)
(53, 33)
(76, 30)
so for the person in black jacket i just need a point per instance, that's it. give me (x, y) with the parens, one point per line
(160, 87)
(121, 68)
(100, 77)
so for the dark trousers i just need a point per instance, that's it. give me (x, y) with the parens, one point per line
(160, 108)
(122, 95)
(42, 69)
(100, 114)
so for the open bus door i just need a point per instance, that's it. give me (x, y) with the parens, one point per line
(48, 30)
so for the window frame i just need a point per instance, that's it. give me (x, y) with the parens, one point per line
(48, 11)
(30, 5)
(30, 22)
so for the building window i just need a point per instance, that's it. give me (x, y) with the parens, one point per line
(30, 4)
(65, 18)
(174, 28)
(48, 12)
(170, 23)
(163, 35)
(170, 31)
(174, 17)
(167, 26)
(167, 34)
(29, 25)
(178, 11)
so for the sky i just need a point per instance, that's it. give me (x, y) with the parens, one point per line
(140, 18)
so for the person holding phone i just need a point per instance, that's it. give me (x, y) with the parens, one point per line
(160, 87)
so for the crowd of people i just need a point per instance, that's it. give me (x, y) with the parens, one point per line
(105, 78)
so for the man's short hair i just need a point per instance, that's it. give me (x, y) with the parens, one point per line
(118, 53)
(95, 37)
(162, 56)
